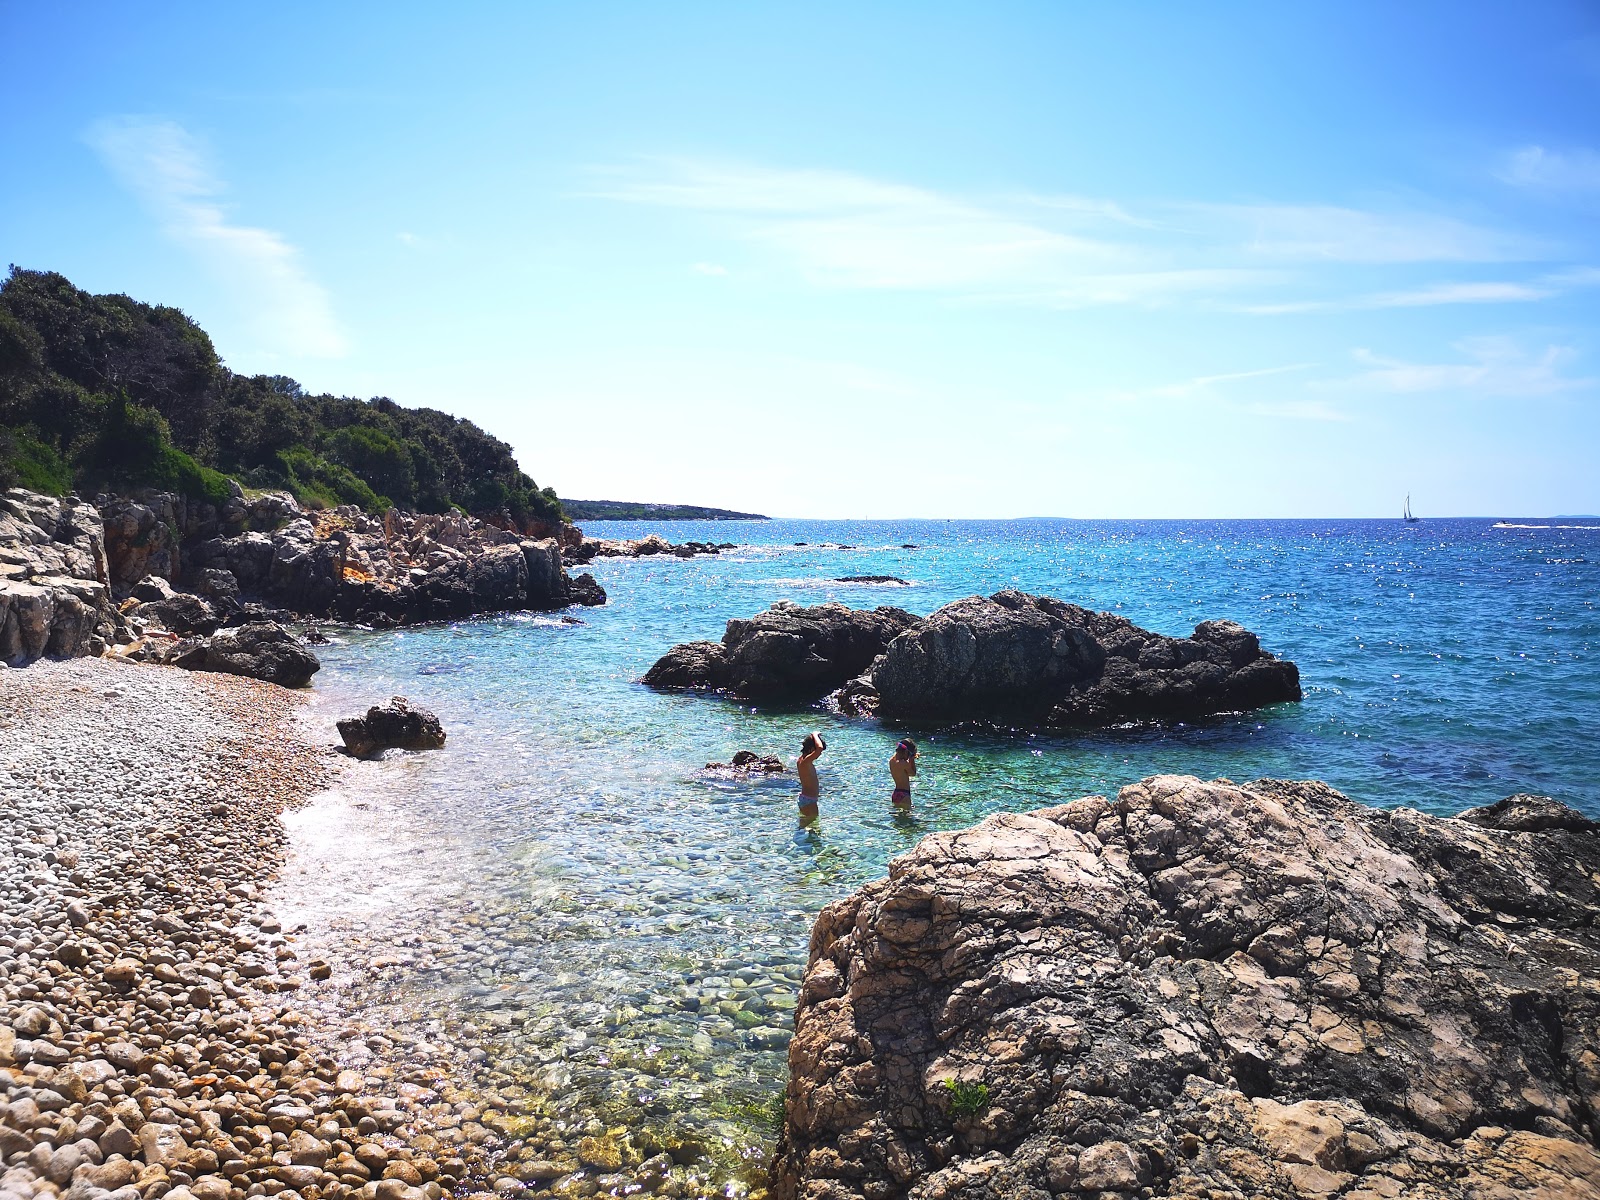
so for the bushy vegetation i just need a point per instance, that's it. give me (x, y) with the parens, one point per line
(104, 391)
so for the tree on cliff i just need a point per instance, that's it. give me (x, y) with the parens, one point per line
(102, 391)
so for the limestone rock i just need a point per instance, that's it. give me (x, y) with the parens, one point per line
(1203, 989)
(54, 589)
(787, 652)
(748, 762)
(396, 725)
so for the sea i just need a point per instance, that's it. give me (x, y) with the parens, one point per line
(599, 933)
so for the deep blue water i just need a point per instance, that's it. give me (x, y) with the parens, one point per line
(1446, 664)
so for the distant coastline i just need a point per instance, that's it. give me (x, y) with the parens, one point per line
(629, 510)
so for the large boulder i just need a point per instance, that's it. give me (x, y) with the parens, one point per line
(182, 613)
(1205, 989)
(55, 596)
(262, 650)
(785, 653)
(395, 725)
(1020, 658)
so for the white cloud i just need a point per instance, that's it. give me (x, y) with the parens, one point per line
(1329, 233)
(406, 238)
(843, 230)
(1549, 170)
(1498, 291)
(1493, 366)
(162, 164)
(706, 268)
(1205, 383)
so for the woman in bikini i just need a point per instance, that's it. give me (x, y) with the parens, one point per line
(902, 766)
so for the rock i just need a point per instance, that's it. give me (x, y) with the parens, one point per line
(1203, 989)
(1523, 813)
(787, 652)
(1032, 660)
(395, 725)
(151, 589)
(892, 579)
(262, 650)
(54, 581)
(748, 762)
(183, 614)
(582, 589)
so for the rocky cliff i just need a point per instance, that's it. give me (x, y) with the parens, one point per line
(76, 577)
(54, 579)
(1202, 990)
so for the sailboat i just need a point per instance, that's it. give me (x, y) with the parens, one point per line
(1409, 519)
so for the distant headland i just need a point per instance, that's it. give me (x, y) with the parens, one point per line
(628, 510)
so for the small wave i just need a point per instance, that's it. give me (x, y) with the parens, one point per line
(1518, 525)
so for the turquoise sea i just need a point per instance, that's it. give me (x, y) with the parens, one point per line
(615, 938)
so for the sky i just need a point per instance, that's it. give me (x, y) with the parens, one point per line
(884, 260)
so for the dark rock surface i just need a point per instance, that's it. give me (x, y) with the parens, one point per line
(891, 579)
(1204, 989)
(748, 762)
(649, 546)
(1029, 659)
(261, 650)
(787, 652)
(582, 589)
(396, 725)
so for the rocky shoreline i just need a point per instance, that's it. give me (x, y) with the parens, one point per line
(1207, 990)
(150, 1041)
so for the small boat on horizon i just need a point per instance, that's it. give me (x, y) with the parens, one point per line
(1406, 515)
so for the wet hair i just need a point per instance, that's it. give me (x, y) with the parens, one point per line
(906, 749)
(812, 741)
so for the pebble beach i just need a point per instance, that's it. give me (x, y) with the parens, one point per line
(152, 1039)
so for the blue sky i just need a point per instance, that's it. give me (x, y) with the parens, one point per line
(869, 260)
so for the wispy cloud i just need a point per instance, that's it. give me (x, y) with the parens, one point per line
(844, 230)
(162, 164)
(1206, 383)
(1552, 170)
(1489, 366)
(1498, 291)
(1328, 233)
(708, 268)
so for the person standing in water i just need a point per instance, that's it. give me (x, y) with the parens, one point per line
(902, 766)
(805, 766)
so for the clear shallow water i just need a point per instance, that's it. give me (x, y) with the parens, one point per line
(621, 935)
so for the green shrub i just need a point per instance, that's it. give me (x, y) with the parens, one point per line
(29, 463)
(966, 1099)
(318, 483)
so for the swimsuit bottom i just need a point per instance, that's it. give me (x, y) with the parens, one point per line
(901, 794)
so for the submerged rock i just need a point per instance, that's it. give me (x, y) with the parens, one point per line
(1203, 989)
(392, 726)
(748, 762)
(1029, 659)
(787, 652)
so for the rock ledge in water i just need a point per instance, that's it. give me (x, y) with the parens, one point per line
(392, 726)
(785, 653)
(1034, 660)
(1203, 989)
